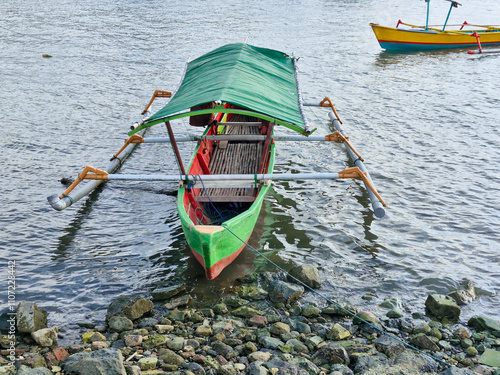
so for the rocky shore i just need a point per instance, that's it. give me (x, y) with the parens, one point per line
(265, 327)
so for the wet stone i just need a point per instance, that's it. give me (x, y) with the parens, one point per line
(442, 306)
(131, 307)
(338, 332)
(120, 324)
(30, 317)
(307, 274)
(270, 342)
(279, 328)
(165, 293)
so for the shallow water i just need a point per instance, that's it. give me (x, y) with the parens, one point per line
(426, 124)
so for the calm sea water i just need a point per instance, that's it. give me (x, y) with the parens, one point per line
(426, 124)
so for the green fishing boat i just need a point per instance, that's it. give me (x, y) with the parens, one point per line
(239, 94)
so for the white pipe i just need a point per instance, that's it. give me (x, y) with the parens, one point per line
(241, 137)
(224, 177)
(378, 207)
(60, 204)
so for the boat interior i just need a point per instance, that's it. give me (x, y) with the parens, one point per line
(214, 205)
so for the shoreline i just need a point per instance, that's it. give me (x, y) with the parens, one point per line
(265, 327)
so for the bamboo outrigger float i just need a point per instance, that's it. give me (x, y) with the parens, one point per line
(239, 93)
(418, 38)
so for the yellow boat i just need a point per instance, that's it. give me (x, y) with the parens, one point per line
(413, 37)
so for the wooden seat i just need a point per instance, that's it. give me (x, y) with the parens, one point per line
(234, 157)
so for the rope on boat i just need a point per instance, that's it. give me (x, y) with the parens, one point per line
(336, 304)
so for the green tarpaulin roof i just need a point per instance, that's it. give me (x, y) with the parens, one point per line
(256, 79)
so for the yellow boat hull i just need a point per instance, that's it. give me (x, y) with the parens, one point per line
(391, 38)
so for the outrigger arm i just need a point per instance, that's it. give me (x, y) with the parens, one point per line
(213, 180)
(377, 202)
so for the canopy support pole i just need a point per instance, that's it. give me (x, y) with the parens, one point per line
(174, 145)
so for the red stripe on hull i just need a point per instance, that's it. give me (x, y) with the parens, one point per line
(216, 269)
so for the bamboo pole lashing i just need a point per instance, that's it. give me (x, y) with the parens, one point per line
(339, 137)
(84, 175)
(157, 94)
(355, 172)
(327, 102)
(134, 138)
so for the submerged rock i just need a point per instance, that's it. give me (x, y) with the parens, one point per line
(465, 293)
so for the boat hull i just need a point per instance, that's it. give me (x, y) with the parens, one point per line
(217, 246)
(395, 39)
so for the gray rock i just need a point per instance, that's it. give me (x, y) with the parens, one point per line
(24, 370)
(30, 317)
(366, 363)
(280, 291)
(307, 274)
(177, 343)
(455, 371)
(416, 362)
(490, 357)
(120, 324)
(105, 361)
(389, 346)
(164, 293)
(251, 292)
(147, 322)
(330, 354)
(247, 312)
(256, 368)
(306, 364)
(223, 349)
(156, 341)
(484, 323)
(259, 356)
(130, 307)
(170, 357)
(271, 342)
(465, 293)
(279, 328)
(394, 313)
(176, 302)
(364, 316)
(338, 332)
(133, 370)
(45, 337)
(442, 306)
(285, 368)
(342, 369)
(10, 370)
(424, 342)
(196, 368)
(310, 311)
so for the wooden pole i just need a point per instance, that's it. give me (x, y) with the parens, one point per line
(176, 149)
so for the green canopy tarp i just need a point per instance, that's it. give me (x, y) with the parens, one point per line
(256, 79)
